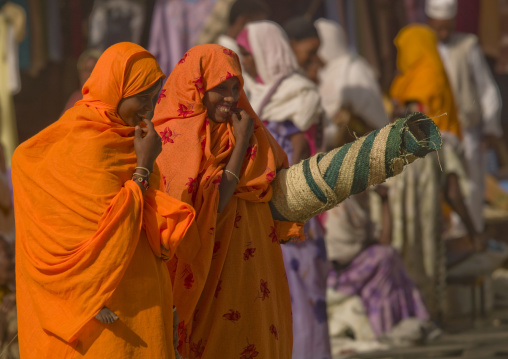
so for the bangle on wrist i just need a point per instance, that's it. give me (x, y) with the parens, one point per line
(148, 172)
(234, 175)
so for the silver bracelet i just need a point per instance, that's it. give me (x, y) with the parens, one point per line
(237, 179)
(144, 169)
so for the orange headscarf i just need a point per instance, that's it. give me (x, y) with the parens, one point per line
(195, 151)
(423, 78)
(78, 214)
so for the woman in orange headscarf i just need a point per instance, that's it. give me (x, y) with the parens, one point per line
(90, 234)
(230, 288)
(422, 80)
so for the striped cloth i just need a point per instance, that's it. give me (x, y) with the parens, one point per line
(320, 182)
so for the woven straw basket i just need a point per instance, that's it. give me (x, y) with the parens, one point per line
(319, 183)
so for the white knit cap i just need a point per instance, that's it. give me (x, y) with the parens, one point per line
(441, 9)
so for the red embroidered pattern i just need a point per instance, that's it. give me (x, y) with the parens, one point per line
(252, 151)
(198, 348)
(184, 111)
(229, 75)
(263, 287)
(183, 59)
(273, 234)
(249, 253)
(161, 96)
(228, 52)
(238, 218)
(270, 176)
(199, 85)
(166, 136)
(232, 315)
(217, 181)
(203, 144)
(192, 185)
(182, 335)
(274, 331)
(249, 352)
(189, 281)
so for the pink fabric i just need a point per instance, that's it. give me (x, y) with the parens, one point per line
(243, 40)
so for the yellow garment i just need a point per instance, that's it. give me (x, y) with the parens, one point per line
(423, 78)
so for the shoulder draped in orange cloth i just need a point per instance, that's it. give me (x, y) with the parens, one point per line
(85, 236)
(423, 78)
(230, 286)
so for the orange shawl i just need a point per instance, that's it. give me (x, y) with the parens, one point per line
(423, 78)
(195, 151)
(78, 213)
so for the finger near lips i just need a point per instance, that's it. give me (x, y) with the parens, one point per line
(148, 123)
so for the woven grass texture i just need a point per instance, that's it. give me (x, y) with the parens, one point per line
(321, 182)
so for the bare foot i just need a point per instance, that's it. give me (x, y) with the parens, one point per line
(106, 316)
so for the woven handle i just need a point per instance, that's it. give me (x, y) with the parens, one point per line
(321, 182)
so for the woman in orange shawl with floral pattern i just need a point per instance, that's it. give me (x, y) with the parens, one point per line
(230, 287)
(89, 233)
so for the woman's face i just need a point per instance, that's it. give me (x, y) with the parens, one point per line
(248, 63)
(306, 50)
(221, 99)
(134, 109)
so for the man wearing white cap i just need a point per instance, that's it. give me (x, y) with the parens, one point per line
(475, 92)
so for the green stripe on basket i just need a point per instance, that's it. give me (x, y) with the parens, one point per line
(332, 172)
(392, 146)
(311, 183)
(362, 170)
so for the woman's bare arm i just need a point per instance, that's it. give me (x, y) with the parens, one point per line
(243, 126)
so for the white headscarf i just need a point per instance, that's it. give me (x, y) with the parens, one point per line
(346, 80)
(285, 94)
(441, 9)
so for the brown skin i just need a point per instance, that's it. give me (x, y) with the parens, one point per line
(443, 28)
(147, 145)
(312, 70)
(248, 63)
(132, 110)
(147, 142)
(221, 101)
(306, 51)
(225, 96)
(301, 148)
(455, 199)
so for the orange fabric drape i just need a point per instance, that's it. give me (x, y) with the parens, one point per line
(230, 288)
(423, 78)
(82, 224)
